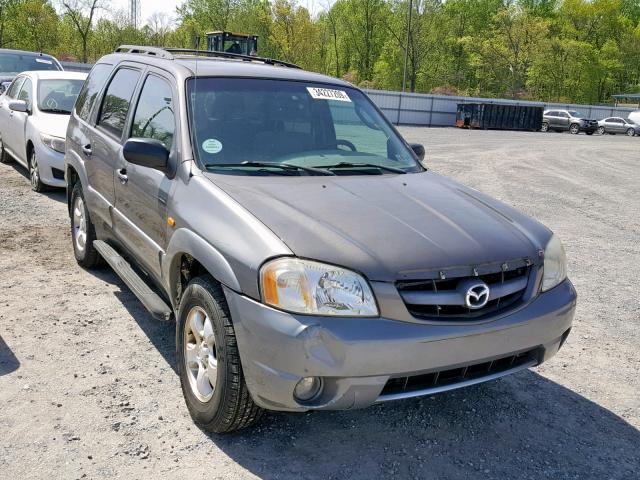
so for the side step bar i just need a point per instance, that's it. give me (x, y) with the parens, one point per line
(150, 299)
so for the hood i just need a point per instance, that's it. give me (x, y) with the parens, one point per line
(389, 227)
(54, 124)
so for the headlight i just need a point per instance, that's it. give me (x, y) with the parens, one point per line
(555, 264)
(313, 288)
(54, 143)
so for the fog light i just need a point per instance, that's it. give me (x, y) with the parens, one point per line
(307, 388)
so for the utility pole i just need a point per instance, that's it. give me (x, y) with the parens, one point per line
(134, 12)
(406, 49)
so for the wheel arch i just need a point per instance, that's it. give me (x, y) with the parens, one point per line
(188, 256)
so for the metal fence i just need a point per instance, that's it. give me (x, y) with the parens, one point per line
(76, 67)
(440, 110)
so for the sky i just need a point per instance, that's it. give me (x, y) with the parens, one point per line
(149, 7)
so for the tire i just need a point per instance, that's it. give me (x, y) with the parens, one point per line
(83, 232)
(220, 401)
(4, 156)
(544, 127)
(574, 128)
(601, 131)
(631, 132)
(590, 132)
(34, 174)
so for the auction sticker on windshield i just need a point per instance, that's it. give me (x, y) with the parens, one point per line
(328, 94)
(211, 145)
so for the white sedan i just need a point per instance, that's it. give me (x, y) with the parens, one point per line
(34, 113)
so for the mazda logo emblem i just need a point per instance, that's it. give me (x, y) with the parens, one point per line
(477, 296)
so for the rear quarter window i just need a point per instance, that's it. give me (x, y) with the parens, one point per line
(92, 86)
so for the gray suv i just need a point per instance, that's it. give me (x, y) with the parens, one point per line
(571, 120)
(308, 257)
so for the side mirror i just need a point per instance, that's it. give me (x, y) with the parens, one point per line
(418, 150)
(146, 152)
(19, 106)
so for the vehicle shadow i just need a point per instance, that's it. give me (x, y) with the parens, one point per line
(52, 193)
(522, 426)
(8, 361)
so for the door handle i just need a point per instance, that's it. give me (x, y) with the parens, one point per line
(122, 175)
(86, 149)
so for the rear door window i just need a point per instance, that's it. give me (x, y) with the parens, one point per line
(91, 89)
(154, 117)
(117, 100)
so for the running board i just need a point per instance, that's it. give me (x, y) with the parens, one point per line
(150, 299)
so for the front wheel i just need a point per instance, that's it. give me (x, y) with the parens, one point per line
(601, 131)
(631, 132)
(574, 128)
(544, 127)
(209, 366)
(34, 174)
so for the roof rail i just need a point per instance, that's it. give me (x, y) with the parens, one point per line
(238, 56)
(153, 51)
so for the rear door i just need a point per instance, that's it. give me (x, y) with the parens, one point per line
(618, 125)
(104, 151)
(141, 192)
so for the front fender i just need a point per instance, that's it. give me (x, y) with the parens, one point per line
(184, 241)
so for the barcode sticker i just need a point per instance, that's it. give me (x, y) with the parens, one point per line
(328, 94)
(43, 60)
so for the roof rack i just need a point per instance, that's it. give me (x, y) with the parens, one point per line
(166, 53)
(153, 51)
(238, 56)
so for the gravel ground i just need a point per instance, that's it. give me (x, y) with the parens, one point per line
(88, 387)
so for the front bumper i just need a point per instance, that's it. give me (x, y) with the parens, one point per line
(50, 165)
(356, 357)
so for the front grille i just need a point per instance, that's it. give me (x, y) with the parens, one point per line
(444, 298)
(57, 173)
(447, 379)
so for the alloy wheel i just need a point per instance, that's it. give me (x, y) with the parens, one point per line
(34, 172)
(200, 354)
(79, 224)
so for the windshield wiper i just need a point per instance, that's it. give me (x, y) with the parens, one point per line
(368, 165)
(283, 166)
(55, 110)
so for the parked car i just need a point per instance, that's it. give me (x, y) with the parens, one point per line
(14, 61)
(309, 258)
(34, 113)
(571, 120)
(615, 125)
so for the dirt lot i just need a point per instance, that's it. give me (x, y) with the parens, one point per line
(87, 378)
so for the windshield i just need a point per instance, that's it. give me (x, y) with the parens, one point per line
(16, 63)
(58, 96)
(575, 113)
(298, 125)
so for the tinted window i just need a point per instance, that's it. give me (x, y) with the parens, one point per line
(117, 100)
(15, 87)
(58, 96)
(26, 93)
(91, 89)
(617, 120)
(563, 115)
(154, 116)
(18, 62)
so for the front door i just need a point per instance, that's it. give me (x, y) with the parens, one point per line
(6, 115)
(15, 140)
(141, 192)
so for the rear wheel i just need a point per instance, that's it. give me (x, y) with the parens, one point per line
(544, 127)
(574, 128)
(83, 232)
(4, 156)
(601, 131)
(209, 366)
(631, 132)
(34, 173)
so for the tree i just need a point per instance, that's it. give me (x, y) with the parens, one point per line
(81, 13)
(7, 11)
(159, 26)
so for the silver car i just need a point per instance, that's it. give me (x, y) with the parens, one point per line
(613, 125)
(34, 113)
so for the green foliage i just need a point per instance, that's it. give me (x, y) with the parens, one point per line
(553, 50)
